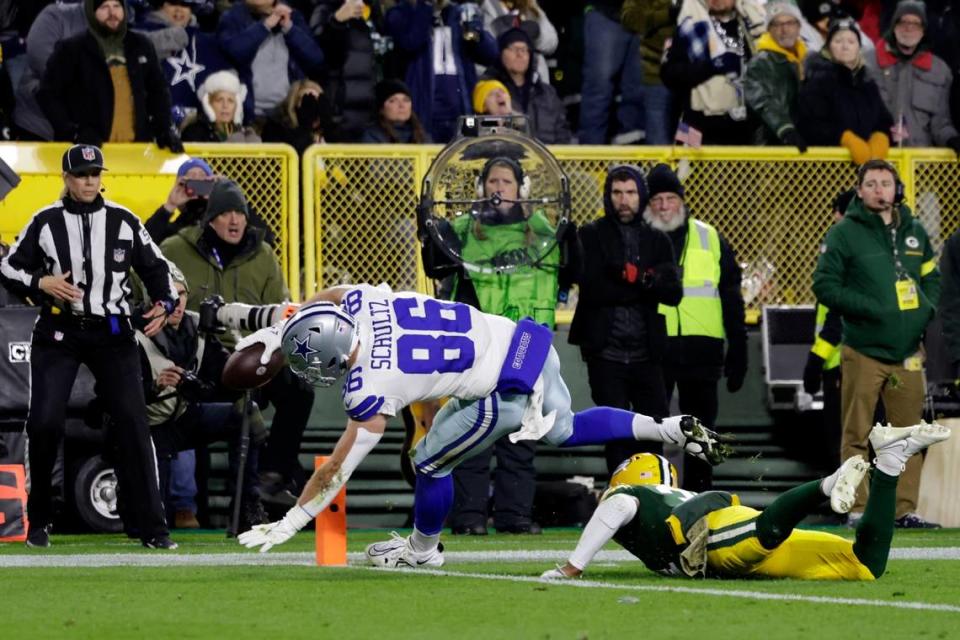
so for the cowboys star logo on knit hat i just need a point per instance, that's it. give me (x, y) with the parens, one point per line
(82, 157)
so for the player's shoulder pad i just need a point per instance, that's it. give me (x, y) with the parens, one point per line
(362, 408)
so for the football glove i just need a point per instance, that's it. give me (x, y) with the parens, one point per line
(269, 337)
(267, 536)
(701, 442)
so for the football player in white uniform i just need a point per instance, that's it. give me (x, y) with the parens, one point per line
(502, 378)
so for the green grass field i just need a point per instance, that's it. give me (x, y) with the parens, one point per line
(488, 589)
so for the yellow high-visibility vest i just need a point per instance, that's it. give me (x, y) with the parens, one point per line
(699, 312)
(829, 352)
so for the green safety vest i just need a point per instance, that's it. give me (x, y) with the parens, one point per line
(829, 352)
(699, 312)
(527, 291)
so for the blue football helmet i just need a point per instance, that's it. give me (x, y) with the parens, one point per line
(318, 340)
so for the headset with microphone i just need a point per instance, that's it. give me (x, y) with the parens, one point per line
(873, 165)
(523, 181)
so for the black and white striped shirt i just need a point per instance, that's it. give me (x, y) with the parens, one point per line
(97, 243)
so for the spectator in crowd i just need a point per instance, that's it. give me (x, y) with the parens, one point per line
(187, 54)
(85, 318)
(54, 23)
(491, 97)
(950, 300)
(914, 83)
(839, 103)
(345, 30)
(498, 226)
(609, 52)
(654, 23)
(183, 208)
(227, 256)
(271, 47)
(106, 85)
(823, 363)
(396, 121)
(304, 118)
(499, 16)
(545, 113)
(815, 25)
(221, 115)
(772, 80)
(181, 368)
(945, 42)
(441, 46)
(710, 312)
(628, 271)
(705, 64)
(877, 269)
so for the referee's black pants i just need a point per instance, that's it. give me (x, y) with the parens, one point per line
(637, 387)
(58, 348)
(697, 396)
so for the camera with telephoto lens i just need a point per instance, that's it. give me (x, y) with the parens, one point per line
(208, 322)
(192, 388)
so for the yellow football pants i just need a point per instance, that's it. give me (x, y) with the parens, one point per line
(733, 551)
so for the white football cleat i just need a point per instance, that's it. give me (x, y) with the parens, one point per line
(396, 552)
(849, 477)
(884, 436)
(554, 574)
(926, 434)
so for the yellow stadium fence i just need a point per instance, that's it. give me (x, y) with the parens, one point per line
(139, 177)
(771, 203)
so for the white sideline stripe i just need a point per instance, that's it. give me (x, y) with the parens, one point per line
(168, 559)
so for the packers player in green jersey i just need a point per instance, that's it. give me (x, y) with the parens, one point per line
(676, 532)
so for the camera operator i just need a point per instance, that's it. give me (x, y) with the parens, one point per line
(181, 367)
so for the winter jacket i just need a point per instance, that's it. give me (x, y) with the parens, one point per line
(945, 32)
(351, 67)
(55, 23)
(185, 66)
(411, 27)
(606, 297)
(703, 355)
(497, 20)
(253, 276)
(544, 110)
(950, 298)
(76, 92)
(771, 84)
(916, 89)
(198, 128)
(375, 134)
(240, 34)
(856, 275)
(655, 22)
(834, 99)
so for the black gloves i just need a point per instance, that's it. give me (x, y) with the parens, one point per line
(727, 63)
(791, 138)
(813, 373)
(170, 140)
(734, 370)
(954, 143)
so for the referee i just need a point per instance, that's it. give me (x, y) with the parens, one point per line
(74, 255)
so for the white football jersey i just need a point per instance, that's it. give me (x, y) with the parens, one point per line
(414, 347)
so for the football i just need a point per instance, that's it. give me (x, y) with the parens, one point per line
(244, 371)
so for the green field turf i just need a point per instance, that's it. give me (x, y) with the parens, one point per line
(474, 596)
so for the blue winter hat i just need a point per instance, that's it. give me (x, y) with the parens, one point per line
(194, 162)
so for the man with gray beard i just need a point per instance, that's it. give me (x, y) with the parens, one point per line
(710, 312)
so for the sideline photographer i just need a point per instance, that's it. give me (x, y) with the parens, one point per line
(182, 366)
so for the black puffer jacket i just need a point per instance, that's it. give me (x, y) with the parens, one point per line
(350, 66)
(834, 99)
(605, 295)
(76, 92)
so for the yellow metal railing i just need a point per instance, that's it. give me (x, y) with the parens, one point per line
(772, 204)
(139, 177)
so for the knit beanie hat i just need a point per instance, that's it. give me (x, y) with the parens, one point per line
(226, 196)
(194, 163)
(387, 88)
(222, 81)
(662, 179)
(910, 7)
(782, 7)
(840, 25)
(514, 34)
(482, 90)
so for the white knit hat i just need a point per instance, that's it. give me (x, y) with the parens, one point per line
(782, 7)
(222, 81)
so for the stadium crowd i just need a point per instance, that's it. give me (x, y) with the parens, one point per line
(862, 74)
